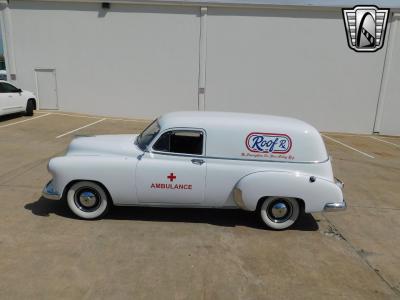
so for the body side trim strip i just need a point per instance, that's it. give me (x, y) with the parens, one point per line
(240, 159)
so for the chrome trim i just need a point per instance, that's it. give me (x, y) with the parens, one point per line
(135, 142)
(269, 160)
(339, 183)
(197, 161)
(240, 159)
(175, 154)
(337, 206)
(161, 132)
(87, 199)
(279, 210)
(49, 192)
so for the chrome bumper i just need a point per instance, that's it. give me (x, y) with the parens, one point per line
(49, 192)
(338, 206)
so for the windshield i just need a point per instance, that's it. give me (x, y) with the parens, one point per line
(147, 135)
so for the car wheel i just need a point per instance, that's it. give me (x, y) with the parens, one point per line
(279, 212)
(87, 200)
(30, 106)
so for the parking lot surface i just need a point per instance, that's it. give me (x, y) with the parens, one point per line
(154, 253)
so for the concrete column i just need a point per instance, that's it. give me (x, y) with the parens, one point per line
(6, 29)
(202, 58)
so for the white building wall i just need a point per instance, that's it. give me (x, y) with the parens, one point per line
(130, 61)
(291, 62)
(388, 119)
(144, 60)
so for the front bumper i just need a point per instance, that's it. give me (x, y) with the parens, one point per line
(49, 192)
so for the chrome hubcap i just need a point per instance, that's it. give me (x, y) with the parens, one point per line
(279, 210)
(87, 199)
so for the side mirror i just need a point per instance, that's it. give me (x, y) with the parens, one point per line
(19, 91)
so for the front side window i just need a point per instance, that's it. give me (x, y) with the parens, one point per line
(147, 135)
(2, 89)
(181, 141)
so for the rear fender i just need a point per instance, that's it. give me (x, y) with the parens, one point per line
(315, 193)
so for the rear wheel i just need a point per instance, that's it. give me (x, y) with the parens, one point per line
(87, 200)
(30, 106)
(279, 212)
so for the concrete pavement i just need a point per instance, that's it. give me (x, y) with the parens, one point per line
(153, 253)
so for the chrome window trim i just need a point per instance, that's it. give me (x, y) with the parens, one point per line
(135, 142)
(151, 150)
(176, 154)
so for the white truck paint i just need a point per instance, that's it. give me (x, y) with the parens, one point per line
(202, 159)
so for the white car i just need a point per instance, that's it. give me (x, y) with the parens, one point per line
(15, 100)
(276, 166)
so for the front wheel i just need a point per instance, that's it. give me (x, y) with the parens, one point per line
(87, 200)
(30, 106)
(279, 212)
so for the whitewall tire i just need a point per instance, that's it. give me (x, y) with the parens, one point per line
(87, 200)
(279, 212)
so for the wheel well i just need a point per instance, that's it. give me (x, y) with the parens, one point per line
(300, 201)
(34, 103)
(67, 187)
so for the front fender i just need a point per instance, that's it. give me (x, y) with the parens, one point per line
(315, 193)
(116, 173)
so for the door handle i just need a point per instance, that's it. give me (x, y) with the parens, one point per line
(197, 161)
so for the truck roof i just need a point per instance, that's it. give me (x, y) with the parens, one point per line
(214, 119)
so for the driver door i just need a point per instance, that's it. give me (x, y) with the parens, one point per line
(174, 171)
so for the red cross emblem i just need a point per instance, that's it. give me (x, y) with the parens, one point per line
(171, 177)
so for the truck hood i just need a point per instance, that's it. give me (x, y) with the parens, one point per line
(121, 144)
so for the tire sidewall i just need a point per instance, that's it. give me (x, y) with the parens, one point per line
(29, 108)
(279, 226)
(100, 211)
